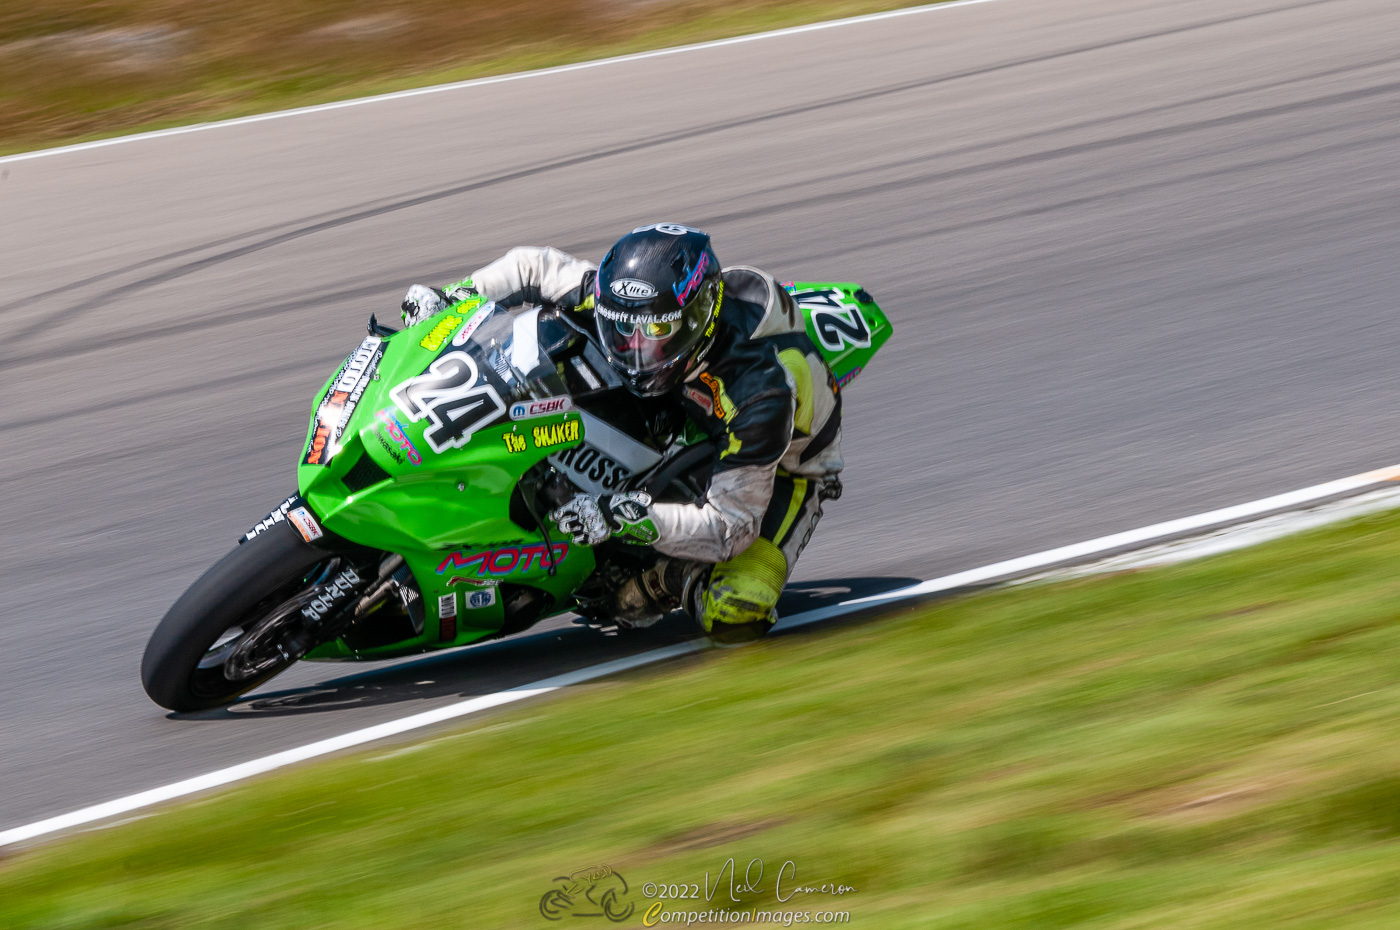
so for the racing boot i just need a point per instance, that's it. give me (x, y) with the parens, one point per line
(646, 598)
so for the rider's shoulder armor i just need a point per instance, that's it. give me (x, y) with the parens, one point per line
(764, 381)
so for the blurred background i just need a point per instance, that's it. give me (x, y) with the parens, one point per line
(75, 68)
(1141, 260)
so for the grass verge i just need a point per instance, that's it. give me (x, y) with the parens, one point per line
(1213, 744)
(75, 70)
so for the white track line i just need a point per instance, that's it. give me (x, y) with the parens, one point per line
(336, 743)
(1158, 531)
(998, 572)
(495, 79)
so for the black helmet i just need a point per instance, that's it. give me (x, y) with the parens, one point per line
(656, 301)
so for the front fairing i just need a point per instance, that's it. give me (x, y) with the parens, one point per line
(417, 443)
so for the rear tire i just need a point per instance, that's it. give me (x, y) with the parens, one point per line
(239, 589)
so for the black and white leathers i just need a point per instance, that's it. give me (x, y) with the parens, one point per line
(763, 391)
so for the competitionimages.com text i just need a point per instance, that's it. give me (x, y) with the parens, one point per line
(656, 915)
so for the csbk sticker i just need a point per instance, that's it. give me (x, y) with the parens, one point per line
(541, 407)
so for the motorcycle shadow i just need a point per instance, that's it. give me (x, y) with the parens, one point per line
(556, 646)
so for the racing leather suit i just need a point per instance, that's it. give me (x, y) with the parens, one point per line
(765, 394)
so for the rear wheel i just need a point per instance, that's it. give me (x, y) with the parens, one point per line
(226, 634)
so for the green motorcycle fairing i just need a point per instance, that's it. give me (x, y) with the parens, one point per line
(844, 322)
(415, 446)
(418, 441)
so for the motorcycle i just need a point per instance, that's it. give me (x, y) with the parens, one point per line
(433, 455)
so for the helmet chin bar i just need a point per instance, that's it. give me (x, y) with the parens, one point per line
(659, 382)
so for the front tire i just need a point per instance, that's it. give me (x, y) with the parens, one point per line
(235, 593)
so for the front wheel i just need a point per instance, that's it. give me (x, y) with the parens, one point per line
(221, 638)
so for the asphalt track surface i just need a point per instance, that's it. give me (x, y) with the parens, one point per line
(1141, 258)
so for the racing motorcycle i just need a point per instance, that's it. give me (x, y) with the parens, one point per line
(433, 455)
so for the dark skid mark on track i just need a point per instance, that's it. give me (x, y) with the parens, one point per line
(314, 299)
(320, 299)
(1110, 194)
(72, 314)
(24, 303)
(1068, 151)
(175, 391)
(985, 147)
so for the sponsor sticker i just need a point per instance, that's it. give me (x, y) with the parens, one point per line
(473, 321)
(610, 314)
(342, 585)
(305, 523)
(604, 460)
(592, 467)
(718, 395)
(358, 365)
(507, 560)
(670, 229)
(541, 407)
(272, 519)
(439, 333)
(479, 599)
(686, 287)
(633, 289)
(339, 404)
(395, 429)
(557, 434)
(700, 399)
(447, 617)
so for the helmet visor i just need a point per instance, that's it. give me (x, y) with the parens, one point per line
(646, 343)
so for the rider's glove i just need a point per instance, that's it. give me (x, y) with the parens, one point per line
(421, 302)
(461, 291)
(590, 520)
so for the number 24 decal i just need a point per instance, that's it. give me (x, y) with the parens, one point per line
(838, 324)
(448, 395)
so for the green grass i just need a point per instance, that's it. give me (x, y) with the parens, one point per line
(1210, 745)
(70, 71)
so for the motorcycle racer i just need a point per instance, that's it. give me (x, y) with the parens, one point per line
(729, 346)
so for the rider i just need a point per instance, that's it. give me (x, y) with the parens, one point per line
(730, 347)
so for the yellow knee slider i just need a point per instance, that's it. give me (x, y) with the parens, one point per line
(745, 589)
